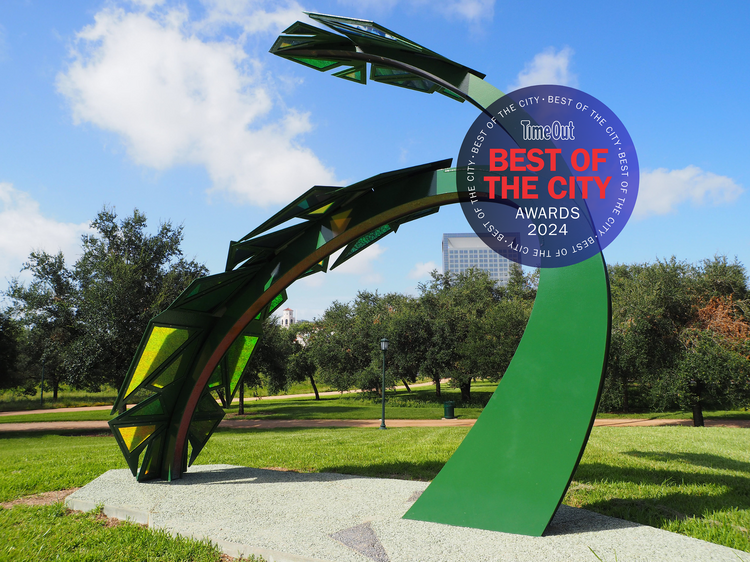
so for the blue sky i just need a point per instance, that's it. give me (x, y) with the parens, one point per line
(178, 109)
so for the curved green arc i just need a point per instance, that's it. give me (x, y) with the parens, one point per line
(511, 471)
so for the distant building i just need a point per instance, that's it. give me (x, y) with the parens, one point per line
(462, 251)
(287, 317)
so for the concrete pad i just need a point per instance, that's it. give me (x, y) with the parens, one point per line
(292, 517)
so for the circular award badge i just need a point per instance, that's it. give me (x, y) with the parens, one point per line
(548, 176)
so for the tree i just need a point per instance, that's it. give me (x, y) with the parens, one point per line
(48, 309)
(301, 364)
(714, 368)
(679, 336)
(125, 277)
(9, 342)
(268, 364)
(455, 305)
(408, 332)
(651, 303)
(345, 344)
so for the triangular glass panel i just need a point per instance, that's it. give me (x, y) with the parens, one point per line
(361, 243)
(216, 379)
(207, 405)
(134, 436)
(199, 433)
(340, 222)
(237, 357)
(153, 408)
(379, 72)
(277, 301)
(451, 94)
(169, 374)
(355, 74)
(162, 343)
(320, 210)
(317, 64)
(151, 460)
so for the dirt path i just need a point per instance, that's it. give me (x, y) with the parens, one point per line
(103, 427)
(235, 401)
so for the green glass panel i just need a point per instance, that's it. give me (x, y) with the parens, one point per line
(162, 343)
(355, 74)
(208, 405)
(149, 469)
(419, 85)
(215, 379)
(200, 431)
(153, 409)
(237, 357)
(276, 302)
(386, 72)
(169, 374)
(321, 240)
(370, 237)
(451, 94)
(362, 243)
(320, 64)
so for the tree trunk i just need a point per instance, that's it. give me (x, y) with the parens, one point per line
(315, 388)
(406, 384)
(465, 391)
(437, 387)
(241, 411)
(698, 414)
(55, 387)
(625, 394)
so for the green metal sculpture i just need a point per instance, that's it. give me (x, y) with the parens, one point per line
(513, 468)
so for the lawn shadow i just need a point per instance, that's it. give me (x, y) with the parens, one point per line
(223, 474)
(424, 470)
(706, 460)
(671, 505)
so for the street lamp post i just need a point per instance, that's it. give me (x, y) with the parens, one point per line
(384, 347)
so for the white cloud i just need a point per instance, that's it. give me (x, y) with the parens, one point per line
(548, 67)
(422, 270)
(24, 228)
(661, 191)
(363, 265)
(468, 10)
(175, 94)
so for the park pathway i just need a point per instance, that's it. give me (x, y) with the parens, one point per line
(102, 426)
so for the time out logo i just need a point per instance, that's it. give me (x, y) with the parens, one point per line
(548, 176)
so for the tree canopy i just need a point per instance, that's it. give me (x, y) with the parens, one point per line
(84, 323)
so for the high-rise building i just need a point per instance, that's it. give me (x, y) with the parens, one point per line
(462, 251)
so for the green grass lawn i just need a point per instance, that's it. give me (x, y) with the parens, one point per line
(418, 404)
(67, 398)
(681, 415)
(695, 481)
(57, 415)
(36, 534)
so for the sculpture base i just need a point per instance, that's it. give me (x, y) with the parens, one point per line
(287, 516)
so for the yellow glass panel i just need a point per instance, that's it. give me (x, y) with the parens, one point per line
(168, 375)
(322, 210)
(134, 436)
(340, 221)
(162, 343)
